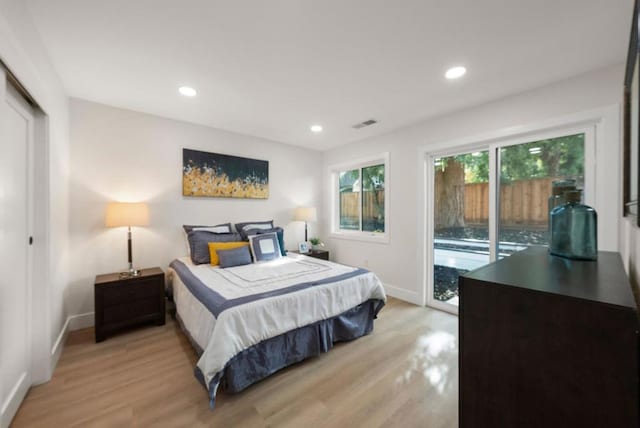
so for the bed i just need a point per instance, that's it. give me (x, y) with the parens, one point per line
(247, 322)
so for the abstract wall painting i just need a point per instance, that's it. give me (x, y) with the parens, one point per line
(215, 175)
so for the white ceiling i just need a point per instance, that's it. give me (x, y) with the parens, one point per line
(273, 68)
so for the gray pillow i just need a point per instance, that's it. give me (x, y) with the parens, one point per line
(234, 257)
(199, 244)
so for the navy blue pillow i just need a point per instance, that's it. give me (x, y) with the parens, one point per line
(218, 228)
(242, 228)
(199, 244)
(278, 230)
(234, 257)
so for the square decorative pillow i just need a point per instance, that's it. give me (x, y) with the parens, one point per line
(243, 227)
(234, 257)
(278, 230)
(214, 247)
(265, 247)
(199, 244)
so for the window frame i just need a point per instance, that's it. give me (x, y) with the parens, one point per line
(358, 235)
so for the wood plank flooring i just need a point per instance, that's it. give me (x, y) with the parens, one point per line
(404, 374)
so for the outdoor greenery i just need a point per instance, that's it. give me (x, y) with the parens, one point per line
(555, 157)
(372, 178)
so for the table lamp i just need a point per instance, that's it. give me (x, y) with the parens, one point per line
(305, 214)
(127, 214)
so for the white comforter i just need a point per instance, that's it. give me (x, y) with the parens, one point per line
(240, 327)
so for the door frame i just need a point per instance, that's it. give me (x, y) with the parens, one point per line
(591, 122)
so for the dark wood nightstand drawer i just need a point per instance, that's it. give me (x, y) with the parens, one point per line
(119, 294)
(121, 302)
(130, 310)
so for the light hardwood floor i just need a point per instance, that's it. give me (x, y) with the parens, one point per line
(404, 374)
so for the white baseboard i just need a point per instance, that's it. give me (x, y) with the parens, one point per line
(403, 294)
(80, 321)
(56, 351)
(73, 322)
(11, 404)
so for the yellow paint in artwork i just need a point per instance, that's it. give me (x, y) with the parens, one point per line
(198, 183)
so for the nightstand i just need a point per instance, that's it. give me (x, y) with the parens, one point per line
(317, 254)
(121, 302)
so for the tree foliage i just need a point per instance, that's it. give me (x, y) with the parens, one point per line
(372, 178)
(555, 157)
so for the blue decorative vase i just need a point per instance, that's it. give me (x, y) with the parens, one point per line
(574, 229)
(558, 189)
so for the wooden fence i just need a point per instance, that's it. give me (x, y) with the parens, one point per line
(521, 202)
(371, 200)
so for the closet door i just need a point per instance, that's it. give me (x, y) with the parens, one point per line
(16, 138)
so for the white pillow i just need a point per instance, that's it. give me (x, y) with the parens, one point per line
(214, 229)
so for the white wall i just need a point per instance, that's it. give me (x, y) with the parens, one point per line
(23, 52)
(399, 263)
(128, 156)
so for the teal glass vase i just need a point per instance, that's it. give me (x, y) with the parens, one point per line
(574, 229)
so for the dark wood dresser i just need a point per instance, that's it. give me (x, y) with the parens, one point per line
(124, 302)
(548, 342)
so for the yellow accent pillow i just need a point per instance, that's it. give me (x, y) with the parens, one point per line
(214, 246)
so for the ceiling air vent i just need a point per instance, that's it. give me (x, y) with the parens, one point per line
(365, 123)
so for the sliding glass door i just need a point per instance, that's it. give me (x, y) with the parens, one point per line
(526, 173)
(460, 221)
(491, 202)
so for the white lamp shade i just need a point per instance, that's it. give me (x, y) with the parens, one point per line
(305, 214)
(126, 214)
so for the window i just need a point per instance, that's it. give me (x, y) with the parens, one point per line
(359, 197)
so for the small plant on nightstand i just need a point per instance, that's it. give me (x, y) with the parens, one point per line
(316, 243)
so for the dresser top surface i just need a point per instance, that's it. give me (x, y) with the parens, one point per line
(602, 281)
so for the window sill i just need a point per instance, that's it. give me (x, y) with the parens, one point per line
(379, 238)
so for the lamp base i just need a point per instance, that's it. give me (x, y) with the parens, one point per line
(131, 273)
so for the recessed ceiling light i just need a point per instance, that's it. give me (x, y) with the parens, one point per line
(187, 91)
(316, 128)
(455, 72)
